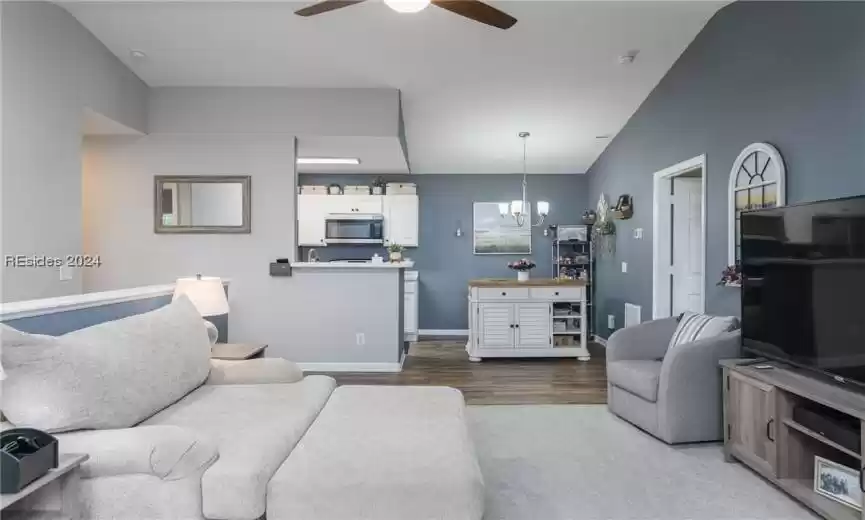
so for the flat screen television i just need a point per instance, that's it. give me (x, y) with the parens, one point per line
(803, 288)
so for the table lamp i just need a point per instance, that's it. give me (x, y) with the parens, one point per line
(207, 295)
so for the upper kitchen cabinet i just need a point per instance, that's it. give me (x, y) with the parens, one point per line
(370, 204)
(311, 213)
(401, 220)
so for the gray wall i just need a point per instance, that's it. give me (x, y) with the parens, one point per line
(57, 323)
(788, 73)
(445, 262)
(52, 67)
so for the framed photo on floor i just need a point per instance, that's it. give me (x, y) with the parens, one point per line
(837, 482)
(495, 234)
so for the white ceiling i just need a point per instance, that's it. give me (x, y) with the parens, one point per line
(378, 155)
(93, 123)
(467, 89)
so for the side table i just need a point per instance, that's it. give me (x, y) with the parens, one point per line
(53, 495)
(237, 351)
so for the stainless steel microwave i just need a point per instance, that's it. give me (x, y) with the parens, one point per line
(354, 228)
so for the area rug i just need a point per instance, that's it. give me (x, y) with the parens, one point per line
(563, 462)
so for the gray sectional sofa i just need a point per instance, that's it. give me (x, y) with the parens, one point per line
(172, 435)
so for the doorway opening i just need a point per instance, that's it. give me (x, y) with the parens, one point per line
(679, 245)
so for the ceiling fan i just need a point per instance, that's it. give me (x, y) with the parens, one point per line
(472, 9)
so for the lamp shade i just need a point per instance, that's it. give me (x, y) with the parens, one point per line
(205, 292)
(543, 208)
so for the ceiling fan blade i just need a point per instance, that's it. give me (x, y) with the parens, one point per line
(478, 11)
(325, 6)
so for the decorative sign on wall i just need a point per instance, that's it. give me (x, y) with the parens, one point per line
(497, 235)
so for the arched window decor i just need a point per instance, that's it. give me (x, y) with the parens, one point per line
(757, 180)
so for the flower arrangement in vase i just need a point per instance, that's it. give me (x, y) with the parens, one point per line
(395, 251)
(522, 267)
(731, 276)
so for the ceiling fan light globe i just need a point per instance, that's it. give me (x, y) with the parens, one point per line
(407, 6)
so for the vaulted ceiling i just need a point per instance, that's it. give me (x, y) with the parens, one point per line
(467, 89)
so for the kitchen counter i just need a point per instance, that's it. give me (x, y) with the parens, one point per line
(535, 282)
(351, 265)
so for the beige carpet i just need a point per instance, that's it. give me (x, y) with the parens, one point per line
(561, 462)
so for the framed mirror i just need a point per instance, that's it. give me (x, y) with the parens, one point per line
(202, 204)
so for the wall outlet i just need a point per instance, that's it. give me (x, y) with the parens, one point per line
(638, 233)
(65, 273)
(361, 338)
(611, 321)
(624, 267)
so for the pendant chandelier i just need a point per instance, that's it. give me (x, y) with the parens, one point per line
(518, 209)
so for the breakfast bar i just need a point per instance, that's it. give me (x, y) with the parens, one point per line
(543, 317)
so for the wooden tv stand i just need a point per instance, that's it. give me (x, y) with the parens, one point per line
(760, 432)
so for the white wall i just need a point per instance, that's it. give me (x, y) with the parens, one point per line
(52, 68)
(293, 111)
(118, 185)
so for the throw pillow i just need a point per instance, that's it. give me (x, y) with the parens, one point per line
(693, 327)
(111, 375)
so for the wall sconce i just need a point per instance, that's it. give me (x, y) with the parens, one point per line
(459, 232)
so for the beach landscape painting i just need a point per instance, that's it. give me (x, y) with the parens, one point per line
(498, 235)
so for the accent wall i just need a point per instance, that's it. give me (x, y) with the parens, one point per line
(787, 73)
(445, 262)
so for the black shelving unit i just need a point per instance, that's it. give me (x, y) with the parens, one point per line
(574, 258)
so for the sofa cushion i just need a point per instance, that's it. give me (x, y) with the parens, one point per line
(111, 375)
(384, 453)
(638, 377)
(693, 327)
(255, 428)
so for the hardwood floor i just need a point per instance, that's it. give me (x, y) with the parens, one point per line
(497, 381)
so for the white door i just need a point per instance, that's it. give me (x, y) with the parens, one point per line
(686, 276)
(401, 219)
(311, 211)
(534, 321)
(496, 325)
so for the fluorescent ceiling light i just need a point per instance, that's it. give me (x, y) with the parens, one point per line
(328, 160)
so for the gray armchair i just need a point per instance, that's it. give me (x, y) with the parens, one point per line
(675, 397)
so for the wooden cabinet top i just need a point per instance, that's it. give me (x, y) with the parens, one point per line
(535, 282)
(814, 387)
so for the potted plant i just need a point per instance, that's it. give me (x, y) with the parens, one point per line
(731, 276)
(395, 251)
(378, 186)
(604, 237)
(522, 267)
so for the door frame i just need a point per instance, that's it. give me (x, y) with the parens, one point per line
(662, 237)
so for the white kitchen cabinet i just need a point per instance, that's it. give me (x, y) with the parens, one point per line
(496, 325)
(534, 327)
(370, 204)
(400, 216)
(401, 220)
(311, 212)
(511, 319)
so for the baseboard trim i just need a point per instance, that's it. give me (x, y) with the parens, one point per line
(443, 332)
(600, 340)
(351, 367)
